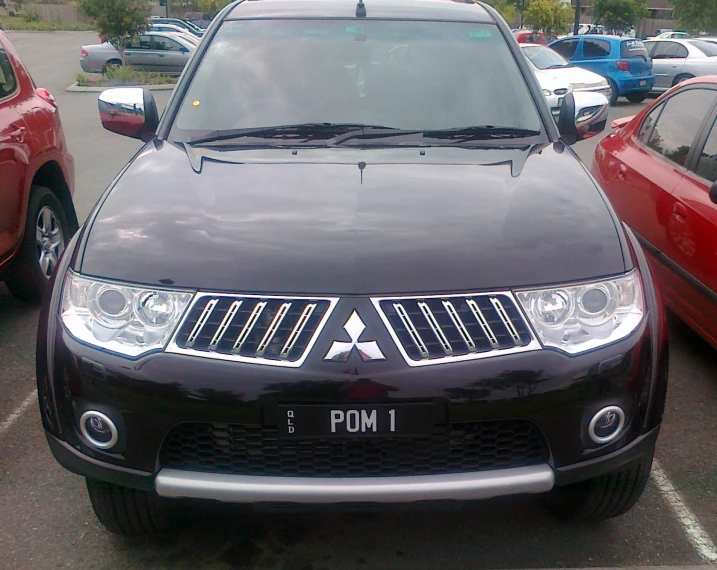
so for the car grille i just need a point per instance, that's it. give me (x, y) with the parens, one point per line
(257, 450)
(429, 330)
(269, 330)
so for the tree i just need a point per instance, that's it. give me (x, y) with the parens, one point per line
(118, 20)
(212, 6)
(619, 14)
(505, 8)
(696, 15)
(551, 16)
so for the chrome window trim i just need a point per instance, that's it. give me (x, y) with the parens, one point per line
(532, 346)
(174, 348)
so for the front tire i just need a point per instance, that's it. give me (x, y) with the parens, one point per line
(681, 78)
(46, 236)
(603, 497)
(125, 511)
(637, 97)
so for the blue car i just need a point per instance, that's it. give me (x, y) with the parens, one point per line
(624, 62)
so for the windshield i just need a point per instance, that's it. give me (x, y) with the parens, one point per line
(395, 74)
(707, 48)
(545, 58)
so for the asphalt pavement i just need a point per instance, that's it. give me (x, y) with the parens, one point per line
(46, 520)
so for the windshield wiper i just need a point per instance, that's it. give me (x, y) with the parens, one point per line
(559, 65)
(297, 132)
(481, 132)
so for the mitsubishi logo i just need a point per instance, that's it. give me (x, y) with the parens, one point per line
(368, 350)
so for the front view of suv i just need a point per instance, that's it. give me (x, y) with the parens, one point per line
(355, 262)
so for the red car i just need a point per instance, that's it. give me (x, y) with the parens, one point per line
(37, 217)
(530, 37)
(659, 170)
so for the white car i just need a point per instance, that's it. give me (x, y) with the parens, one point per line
(557, 76)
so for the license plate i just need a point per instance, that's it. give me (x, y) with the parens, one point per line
(353, 421)
(643, 82)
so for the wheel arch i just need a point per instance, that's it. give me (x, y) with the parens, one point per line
(50, 175)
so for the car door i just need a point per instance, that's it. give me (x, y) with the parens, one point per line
(668, 59)
(139, 53)
(170, 56)
(14, 155)
(595, 56)
(694, 231)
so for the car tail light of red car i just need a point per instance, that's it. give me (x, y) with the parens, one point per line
(623, 65)
(45, 95)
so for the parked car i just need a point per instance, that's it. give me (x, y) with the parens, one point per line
(190, 27)
(199, 19)
(530, 37)
(659, 170)
(161, 52)
(624, 62)
(348, 271)
(172, 29)
(37, 217)
(557, 76)
(670, 35)
(676, 60)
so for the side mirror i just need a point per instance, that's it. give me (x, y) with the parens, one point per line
(129, 111)
(713, 192)
(582, 116)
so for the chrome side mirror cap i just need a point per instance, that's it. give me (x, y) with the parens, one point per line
(582, 116)
(129, 111)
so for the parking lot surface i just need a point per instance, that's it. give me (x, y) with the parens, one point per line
(46, 520)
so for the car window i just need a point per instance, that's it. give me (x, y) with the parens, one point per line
(647, 124)
(8, 81)
(669, 50)
(707, 48)
(632, 48)
(165, 44)
(566, 48)
(677, 125)
(139, 42)
(544, 58)
(401, 74)
(596, 48)
(707, 164)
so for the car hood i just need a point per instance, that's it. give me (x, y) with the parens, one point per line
(349, 221)
(579, 77)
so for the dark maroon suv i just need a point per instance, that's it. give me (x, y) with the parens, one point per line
(37, 217)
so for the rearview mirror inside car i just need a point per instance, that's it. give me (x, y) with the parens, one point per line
(582, 116)
(129, 111)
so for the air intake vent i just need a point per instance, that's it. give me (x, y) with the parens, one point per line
(266, 330)
(430, 330)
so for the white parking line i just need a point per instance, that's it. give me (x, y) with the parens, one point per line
(8, 422)
(696, 534)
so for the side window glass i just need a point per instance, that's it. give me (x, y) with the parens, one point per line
(139, 42)
(648, 123)
(566, 48)
(596, 48)
(677, 126)
(8, 81)
(165, 44)
(707, 165)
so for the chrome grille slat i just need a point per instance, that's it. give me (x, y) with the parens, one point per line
(456, 318)
(410, 327)
(452, 328)
(271, 331)
(204, 317)
(426, 310)
(500, 309)
(224, 325)
(484, 325)
(298, 329)
(260, 329)
(244, 334)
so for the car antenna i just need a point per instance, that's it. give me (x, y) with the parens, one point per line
(360, 9)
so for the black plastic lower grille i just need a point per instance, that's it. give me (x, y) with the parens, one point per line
(257, 450)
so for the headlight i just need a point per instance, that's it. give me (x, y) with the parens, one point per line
(119, 318)
(547, 92)
(583, 317)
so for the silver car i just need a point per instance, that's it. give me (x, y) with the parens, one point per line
(162, 52)
(676, 60)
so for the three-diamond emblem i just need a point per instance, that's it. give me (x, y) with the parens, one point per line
(368, 350)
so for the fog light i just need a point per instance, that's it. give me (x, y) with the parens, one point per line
(98, 429)
(607, 424)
